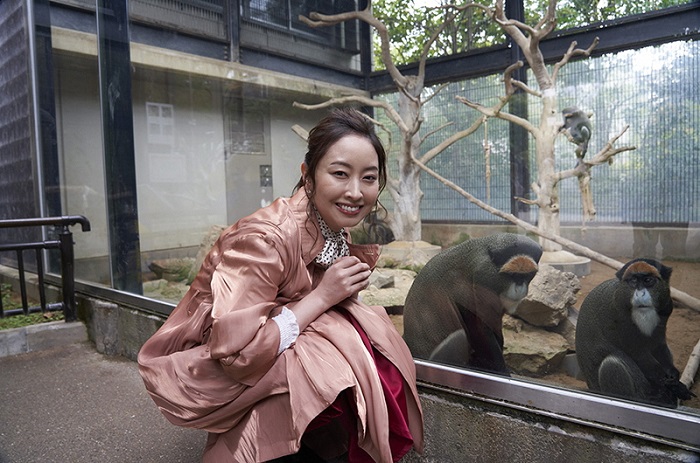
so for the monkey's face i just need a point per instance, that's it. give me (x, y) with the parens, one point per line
(517, 273)
(649, 295)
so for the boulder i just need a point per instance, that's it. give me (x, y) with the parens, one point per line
(531, 351)
(388, 287)
(551, 294)
(407, 254)
(172, 269)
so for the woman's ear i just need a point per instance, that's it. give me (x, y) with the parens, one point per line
(307, 181)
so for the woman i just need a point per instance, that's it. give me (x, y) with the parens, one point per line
(270, 350)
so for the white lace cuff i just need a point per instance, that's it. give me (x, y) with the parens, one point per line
(289, 329)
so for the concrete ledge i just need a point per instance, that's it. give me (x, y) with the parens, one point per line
(42, 336)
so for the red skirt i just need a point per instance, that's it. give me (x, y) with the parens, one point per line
(343, 408)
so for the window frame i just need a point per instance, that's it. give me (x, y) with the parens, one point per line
(656, 424)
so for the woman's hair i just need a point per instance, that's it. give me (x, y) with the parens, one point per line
(339, 123)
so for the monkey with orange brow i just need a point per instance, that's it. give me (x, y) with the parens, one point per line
(453, 312)
(621, 336)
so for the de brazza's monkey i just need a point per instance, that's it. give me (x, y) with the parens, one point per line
(578, 127)
(453, 311)
(621, 336)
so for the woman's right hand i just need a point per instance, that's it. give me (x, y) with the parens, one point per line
(345, 278)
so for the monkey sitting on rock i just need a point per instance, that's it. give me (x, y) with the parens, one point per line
(454, 309)
(621, 336)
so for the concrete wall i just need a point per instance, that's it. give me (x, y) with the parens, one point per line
(611, 240)
(462, 429)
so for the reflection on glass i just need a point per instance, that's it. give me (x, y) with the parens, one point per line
(210, 149)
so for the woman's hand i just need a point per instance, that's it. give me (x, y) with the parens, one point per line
(345, 278)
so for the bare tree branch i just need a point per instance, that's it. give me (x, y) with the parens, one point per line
(433, 132)
(301, 131)
(691, 368)
(570, 53)
(386, 107)
(318, 20)
(442, 146)
(495, 111)
(608, 151)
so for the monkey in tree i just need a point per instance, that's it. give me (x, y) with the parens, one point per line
(577, 128)
(454, 309)
(621, 336)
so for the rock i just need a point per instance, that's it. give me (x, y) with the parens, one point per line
(165, 290)
(567, 328)
(551, 294)
(381, 279)
(530, 351)
(172, 269)
(391, 297)
(407, 254)
(204, 246)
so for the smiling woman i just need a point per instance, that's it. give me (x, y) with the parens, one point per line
(308, 360)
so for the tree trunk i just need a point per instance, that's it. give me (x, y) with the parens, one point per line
(406, 220)
(548, 194)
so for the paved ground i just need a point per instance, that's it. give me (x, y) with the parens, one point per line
(70, 404)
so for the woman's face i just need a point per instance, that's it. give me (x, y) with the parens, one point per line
(347, 182)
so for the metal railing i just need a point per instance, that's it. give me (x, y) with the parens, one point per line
(64, 244)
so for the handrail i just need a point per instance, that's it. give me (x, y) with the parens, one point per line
(65, 246)
(42, 221)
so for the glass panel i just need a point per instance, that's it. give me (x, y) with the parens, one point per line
(211, 146)
(286, 14)
(208, 151)
(647, 203)
(269, 11)
(82, 163)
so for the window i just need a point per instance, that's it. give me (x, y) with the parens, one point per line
(285, 14)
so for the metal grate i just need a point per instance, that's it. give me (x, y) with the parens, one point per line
(652, 89)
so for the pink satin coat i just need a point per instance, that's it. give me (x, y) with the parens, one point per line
(213, 364)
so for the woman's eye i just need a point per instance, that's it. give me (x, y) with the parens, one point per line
(339, 173)
(371, 178)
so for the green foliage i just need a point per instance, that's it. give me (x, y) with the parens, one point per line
(10, 301)
(410, 24)
(359, 235)
(19, 321)
(413, 268)
(410, 27)
(6, 289)
(577, 13)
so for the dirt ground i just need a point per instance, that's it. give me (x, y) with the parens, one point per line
(682, 331)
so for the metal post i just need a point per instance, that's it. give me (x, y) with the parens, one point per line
(22, 282)
(114, 60)
(67, 273)
(519, 137)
